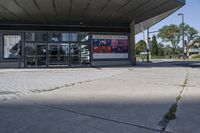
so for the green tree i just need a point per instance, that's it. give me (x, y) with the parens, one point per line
(161, 49)
(191, 34)
(154, 46)
(195, 41)
(179, 51)
(168, 51)
(140, 46)
(170, 34)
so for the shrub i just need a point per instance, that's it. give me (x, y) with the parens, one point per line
(196, 56)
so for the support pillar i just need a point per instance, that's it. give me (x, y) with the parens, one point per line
(132, 44)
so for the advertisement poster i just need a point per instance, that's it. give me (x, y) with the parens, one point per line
(12, 46)
(110, 47)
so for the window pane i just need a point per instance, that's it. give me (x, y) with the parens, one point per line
(64, 49)
(84, 37)
(12, 46)
(29, 37)
(55, 37)
(53, 50)
(85, 54)
(41, 37)
(75, 53)
(65, 37)
(30, 49)
(41, 49)
(74, 37)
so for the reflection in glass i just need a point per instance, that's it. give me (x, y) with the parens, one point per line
(30, 54)
(35, 36)
(41, 37)
(41, 49)
(84, 37)
(29, 36)
(53, 49)
(74, 37)
(41, 55)
(64, 54)
(85, 54)
(55, 37)
(53, 54)
(65, 37)
(57, 49)
(58, 54)
(75, 54)
(31, 61)
(41, 61)
(30, 49)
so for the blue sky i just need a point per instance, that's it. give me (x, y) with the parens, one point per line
(191, 12)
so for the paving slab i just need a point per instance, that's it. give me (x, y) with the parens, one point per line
(127, 100)
(20, 82)
(189, 108)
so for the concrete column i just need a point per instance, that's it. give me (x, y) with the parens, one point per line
(132, 43)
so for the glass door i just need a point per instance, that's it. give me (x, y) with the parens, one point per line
(64, 54)
(58, 55)
(30, 53)
(75, 54)
(41, 55)
(85, 54)
(53, 55)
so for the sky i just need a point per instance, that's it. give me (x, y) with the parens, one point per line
(191, 13)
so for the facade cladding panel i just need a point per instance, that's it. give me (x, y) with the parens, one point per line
(71, 33)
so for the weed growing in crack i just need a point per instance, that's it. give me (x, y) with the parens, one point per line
(171, 114)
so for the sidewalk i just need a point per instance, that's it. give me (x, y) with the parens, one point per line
(133, 100)
(189, 109)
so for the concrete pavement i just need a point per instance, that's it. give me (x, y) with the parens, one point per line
(123, 100)
(189, 107)
(19, 82)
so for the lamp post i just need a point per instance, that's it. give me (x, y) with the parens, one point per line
(148, 45)
(148, 42)
(183, 35)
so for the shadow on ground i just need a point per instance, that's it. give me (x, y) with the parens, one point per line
(80, 117)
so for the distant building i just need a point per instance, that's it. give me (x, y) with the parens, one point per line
(194, 50)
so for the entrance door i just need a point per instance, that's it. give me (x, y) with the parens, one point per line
(58, 55)
(64, 54)
(41, 55)
(36, 54)
(30, 53)
(75, 54)
(53, 55)
(85, 54)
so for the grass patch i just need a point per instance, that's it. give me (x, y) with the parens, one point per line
(171, 115)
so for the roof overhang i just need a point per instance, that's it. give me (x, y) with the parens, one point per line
(85, 14)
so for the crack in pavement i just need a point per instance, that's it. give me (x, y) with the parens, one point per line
(60, 87)
(171, 114)
(101, 117)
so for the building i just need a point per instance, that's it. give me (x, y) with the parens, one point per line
(194, 50)
(67, 33)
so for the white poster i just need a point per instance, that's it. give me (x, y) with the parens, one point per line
(12, 46)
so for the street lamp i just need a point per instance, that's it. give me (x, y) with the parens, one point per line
(183, 36)
(147, 43)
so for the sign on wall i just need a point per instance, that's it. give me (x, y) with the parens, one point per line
(110, 47)
(12, 46)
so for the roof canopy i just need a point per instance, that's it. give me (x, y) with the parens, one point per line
(114, 13)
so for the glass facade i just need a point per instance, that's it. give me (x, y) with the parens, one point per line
(51, 49)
